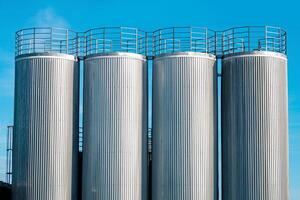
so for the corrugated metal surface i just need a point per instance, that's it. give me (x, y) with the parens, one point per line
(115, 127)
(184, 127)
(255, 127)
(45, 128)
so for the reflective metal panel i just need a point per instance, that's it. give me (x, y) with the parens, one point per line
(184, 127)
(115, 127)
(255, 127)
(45, 140)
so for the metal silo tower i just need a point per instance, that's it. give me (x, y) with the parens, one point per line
(46, 115)
(115, 115)
(254, 114)
(184, 115)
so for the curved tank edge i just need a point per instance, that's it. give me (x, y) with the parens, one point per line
(116, 54)
(186, 54)
(256, 53)
(45, 55)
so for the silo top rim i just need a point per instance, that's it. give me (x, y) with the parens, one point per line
(256, 53)
(46, 55)
(186, 54)
(116, 54)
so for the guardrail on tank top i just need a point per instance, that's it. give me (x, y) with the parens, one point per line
(166, 40)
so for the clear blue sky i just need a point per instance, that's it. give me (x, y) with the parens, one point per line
(148, 15)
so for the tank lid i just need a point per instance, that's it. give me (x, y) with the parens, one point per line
(45, 55)
(116, 54)
(186, 54)
(256, 53)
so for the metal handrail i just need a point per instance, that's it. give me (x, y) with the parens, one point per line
(45, 40)
(183, 39)
(254, 38)
(165, 40)
(115, 39)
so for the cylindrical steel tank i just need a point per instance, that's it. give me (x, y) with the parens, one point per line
(115, 127)
(45, 140)
(254, 126)
(184, 127)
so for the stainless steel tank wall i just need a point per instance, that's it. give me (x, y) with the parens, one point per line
(184, 127)
(115, 127)
(255, 127)
(45, 141)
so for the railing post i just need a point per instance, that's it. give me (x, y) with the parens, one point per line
(206, 41)
(16, 44)
(173, 39)
(60, 46)
(191, 40)
(33, 40)
(67, 41)
(30, 45)
(104, 42)
(249, 39)
(280, 40)
(121, 38)
(208, 45)
(85, 43)
(50, 48)
(159, 51)
(96, 45)
(146, 43)
(266, 38)
(285, 43)
(223, 45)
(91, 42)
(215, 43)
(154, 44)
(228, 41)
(76, 44)
(136, 41)
(233, 41)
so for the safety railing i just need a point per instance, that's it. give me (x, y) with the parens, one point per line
(46, 40)
(115, 39)
(254, 38)
(167, 40)
(183, 39)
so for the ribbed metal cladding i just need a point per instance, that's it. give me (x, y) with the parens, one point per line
(184, 127)
(45, 140)
(115, 127)
(255, 127)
